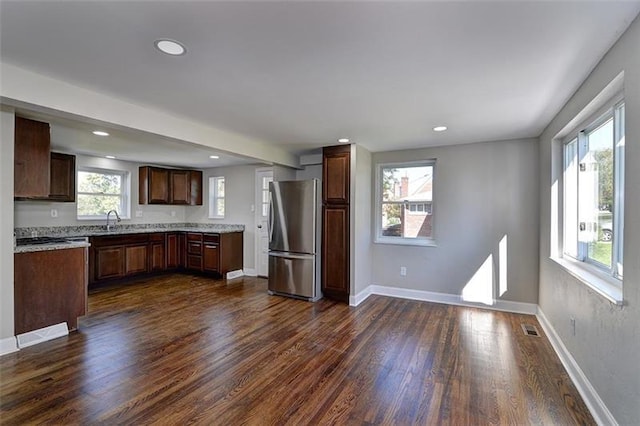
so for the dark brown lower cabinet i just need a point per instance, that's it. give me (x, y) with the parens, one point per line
(157, 258)
(210, 257)
(135, 259)
(109, 262)
(50, 287)
(120, 256)
(172, 248)
(335, 252)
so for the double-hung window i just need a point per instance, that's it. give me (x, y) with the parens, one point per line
(593, 201)
(100, 191)
(216, 197)
(404, 207)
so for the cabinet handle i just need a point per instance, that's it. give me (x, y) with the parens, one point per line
(210, 246)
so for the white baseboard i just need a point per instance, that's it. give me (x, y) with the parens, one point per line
(598, 409)
(360, 297)
(42, 335)
(250, 272)
(449, 299)
(234, 274)
(8, 345)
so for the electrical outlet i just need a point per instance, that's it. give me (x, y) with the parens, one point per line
(54, 212)
(138, 213)
(403, 271)
(173, 213)
(573, 326)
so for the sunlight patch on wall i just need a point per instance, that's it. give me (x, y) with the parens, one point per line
(480, 286)
(502, 262)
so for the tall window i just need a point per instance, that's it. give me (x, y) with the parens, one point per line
(594, 192)
(100, 191)
(405, 203)
(216, 197)
(265, 195)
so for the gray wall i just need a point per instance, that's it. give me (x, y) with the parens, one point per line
(6, 223)
(482, 193)
(361, 215)
(607, 340)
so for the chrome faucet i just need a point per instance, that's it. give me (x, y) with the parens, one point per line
(109, 225)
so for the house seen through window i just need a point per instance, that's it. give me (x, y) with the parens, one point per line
(405, 202)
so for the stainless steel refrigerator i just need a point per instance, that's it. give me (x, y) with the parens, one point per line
(293, 239)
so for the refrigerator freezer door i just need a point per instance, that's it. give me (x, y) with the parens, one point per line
(292, 216)
(293, 274)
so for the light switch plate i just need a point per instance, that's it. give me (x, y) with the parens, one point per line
(54, 212)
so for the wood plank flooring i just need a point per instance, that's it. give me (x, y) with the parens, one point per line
(183, 349)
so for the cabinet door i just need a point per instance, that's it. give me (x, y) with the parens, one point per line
(109, 262)
(135, 259)
(157, 256)
(153, 185)
(63, 177)
(335, 252)
(180, 187)
(210, 257)
(172, 249)
(195, 190)
(158, 186)
(31, 158)
(336, 171)
(231, 252)
(182, 250)
(50, 288)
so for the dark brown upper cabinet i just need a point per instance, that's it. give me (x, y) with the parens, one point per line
(63, 177)
(153, 185)
(31, 158)
(336, 166)
(168, 186)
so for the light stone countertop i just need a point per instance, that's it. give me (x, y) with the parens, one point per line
(52, 246)
(99, 230)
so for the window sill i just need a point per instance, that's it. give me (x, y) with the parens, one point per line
(406, 242)
(606, 286)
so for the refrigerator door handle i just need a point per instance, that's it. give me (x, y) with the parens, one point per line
(291, 255)
(270, 221)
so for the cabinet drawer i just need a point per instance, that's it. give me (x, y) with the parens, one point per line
(194, 236)
(194, 262)
(194, 248)
(156, 237)
(211, 238)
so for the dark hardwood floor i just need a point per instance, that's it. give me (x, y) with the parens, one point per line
(183, 349)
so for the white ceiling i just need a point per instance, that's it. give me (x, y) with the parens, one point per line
(302, 74)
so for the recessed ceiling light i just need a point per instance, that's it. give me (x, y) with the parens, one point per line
(215, 157)
(170, 47)
(100, 133)
(440, 128)
(343, 140)
(111, 157)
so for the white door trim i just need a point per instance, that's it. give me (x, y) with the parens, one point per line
(257, 215)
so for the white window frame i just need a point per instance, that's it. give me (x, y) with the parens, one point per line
(606, 281)
(214, 197)
(125, 192)
(419, 241)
